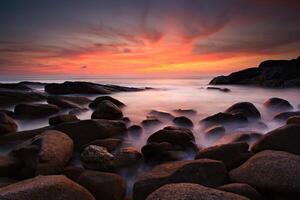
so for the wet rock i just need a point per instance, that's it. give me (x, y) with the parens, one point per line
(185, 111)
(135, 130)
(278, 104)
(294, 120)
(7, 124)
(110, 144)
(188, 191)
(262, 172)
(285, 138)
(76, 111)
(54, 187)
(172, 135)
(35, 110)
(107, 110)
(161, 115)
(157, 152)
(245, 108)
(243, 190)
(183, 121)
(218, 88)
(151, 122)
(233, 154)
(9, 165)
(285, 115)
(215, 132)
(6, 181)
(100, 99)
(68, 101)
(126, 120)
(206, 172)
(45, 154)
(59, 119)
(14, 86)
(126, 157)
(102, 185)
(12, 97)
(225, 119)
(249, 137)
(97, 158)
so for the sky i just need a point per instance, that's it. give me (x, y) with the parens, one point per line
(144, 38)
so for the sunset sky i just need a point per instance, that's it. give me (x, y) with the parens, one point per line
(144, 38)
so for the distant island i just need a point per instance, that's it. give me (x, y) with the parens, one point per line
(270, 73)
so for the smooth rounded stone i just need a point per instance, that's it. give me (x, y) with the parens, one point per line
(135, 130)
(151, 122)
(278, 104)
(68, 101)
(126, 120)
(9, 165)
(47, 153)
(7, 124)
(126, 157)
(157, 151)
(218, 88)
(243, 190)
(55, 187)
(245, 108)
(100, 99)
(4, 181)
(285, 115)
(164, 116)
(185, 111)
(225, 119)
(107, 110)
(189, 191)
(285, 138)
(206, 172)
(36, 110)
(59, 119)
(233, 154)
(293, 120)
(215, 132)
(12, 97)
(14, 86)
(270, 171)
(249, 137)
(183, 121)
(85, 131)
(76, 111)
(110, 144)
(97, 158)
(172, 135)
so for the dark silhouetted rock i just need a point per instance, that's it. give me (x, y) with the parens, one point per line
(285, 138)
(285, 115)
(55, 187)
(9, 165)
(4, 181)
(7, 112)
(7, 124)
(206, 172)
(218, 88)
(35, 110)
(225, 119)
(233, 154)
(12, 97)
(189, 191)
(100, 99)
(249, 137)
(126, 157)
(110, 144)
(107, 110)
(45, 154)
(59, 119)
(278, 104)
(68, 101)
(157, 152)
(151, 122)
(243, 190)
(270, 172)
(135, 130)
(164, 116)
(14, 86)
(183, 121)
(185, 111)
(215, 132)
(293, 120)
(245, 108)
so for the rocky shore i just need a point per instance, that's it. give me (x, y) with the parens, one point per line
(74, 159)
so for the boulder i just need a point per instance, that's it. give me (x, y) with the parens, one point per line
(189, 191)
(215, 132)
(157, 152)
(12, 97)
(7, 124)
(100, 99)
(110, 144)
(107, 110)
(225, 119)
(294, 120)
(97, 158)
(36, 110)
(55, 187)
(278, 104)
(249, 137)
(135, 130)
(245, 108)
(127, 156)
(262, 172)
(151, 122)
(218, 88)
(232, 154)
(59, 119)
(164, 116)
(206, 172)
(14, 86)
(185, 111)
(67, 101)
(183, 121)
(243, 190)
(285, 138)
(9, 165)
(45, 154)
(4, 181)
(285, 115)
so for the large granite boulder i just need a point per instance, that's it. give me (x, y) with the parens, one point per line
(55, 187)
(183, 122)
(100, 99)
(285, 115)
(278, 104)
(7, 124)
(285, 138)
(9, 165)
(243, 190)
(245, 108)
(110, 144)
(12, 97)
(14, 86)
(107, 110)
(36, 110)
(293, 120)
(59, 119)
(225, 119)
(164, 116)
(189, 191)
(206, 172)
(270, 172)
(45, 154)
(68, 101)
